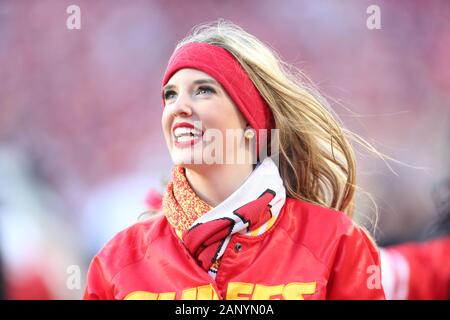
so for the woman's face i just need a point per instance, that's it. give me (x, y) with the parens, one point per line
(197, 112)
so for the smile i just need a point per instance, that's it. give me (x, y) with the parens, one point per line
(185, 134)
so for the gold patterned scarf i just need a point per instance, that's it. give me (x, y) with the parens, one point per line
(181, 205)
(205, 231)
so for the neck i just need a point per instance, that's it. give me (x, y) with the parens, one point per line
(214, 183)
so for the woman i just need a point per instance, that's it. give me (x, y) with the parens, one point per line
(272, 223)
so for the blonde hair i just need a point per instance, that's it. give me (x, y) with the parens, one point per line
(316, 160)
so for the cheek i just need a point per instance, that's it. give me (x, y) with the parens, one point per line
(166, 123)
(231, 119)
(222, 115)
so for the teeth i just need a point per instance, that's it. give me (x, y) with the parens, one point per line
(184, 138)
(183, 131)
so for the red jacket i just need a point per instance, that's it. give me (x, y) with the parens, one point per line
(418, 270)
(309, 253)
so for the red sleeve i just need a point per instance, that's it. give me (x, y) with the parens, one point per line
(428, 273)
(356, 271)
(97, 287)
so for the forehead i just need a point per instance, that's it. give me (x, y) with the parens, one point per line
(188, 75)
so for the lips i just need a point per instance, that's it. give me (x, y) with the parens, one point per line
(186, 134)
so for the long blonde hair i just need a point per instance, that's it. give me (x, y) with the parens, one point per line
(316, 159)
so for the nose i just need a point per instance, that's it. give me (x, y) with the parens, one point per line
(182, 106)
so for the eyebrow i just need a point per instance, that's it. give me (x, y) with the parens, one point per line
(199, 81)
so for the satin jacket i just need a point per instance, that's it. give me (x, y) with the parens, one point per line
(417, 271)
(309, 253)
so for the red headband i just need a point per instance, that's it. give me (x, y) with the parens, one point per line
(224, 68)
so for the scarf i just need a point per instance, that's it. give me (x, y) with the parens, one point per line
(205, 231)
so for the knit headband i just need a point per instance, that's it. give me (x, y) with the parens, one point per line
(225, 69)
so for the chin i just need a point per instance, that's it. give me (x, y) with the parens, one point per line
(186, 158)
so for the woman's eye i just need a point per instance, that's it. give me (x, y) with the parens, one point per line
(205, 90)
(169, 94)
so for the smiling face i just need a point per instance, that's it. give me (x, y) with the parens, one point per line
(195, 105)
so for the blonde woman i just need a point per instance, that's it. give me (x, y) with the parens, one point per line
(274, 222)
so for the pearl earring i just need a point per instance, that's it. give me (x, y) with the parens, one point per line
(249, 133)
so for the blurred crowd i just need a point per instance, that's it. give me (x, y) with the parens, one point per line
(80, 137)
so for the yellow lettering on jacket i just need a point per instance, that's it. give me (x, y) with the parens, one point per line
(141, 295)
(296, 290)
(167, 296)
(189, 294)
(263, 292)
(235, 291)
(207, 292)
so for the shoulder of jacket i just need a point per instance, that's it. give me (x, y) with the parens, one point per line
(316, 217)
(131, 244)
(322, 230)
(315, 226)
